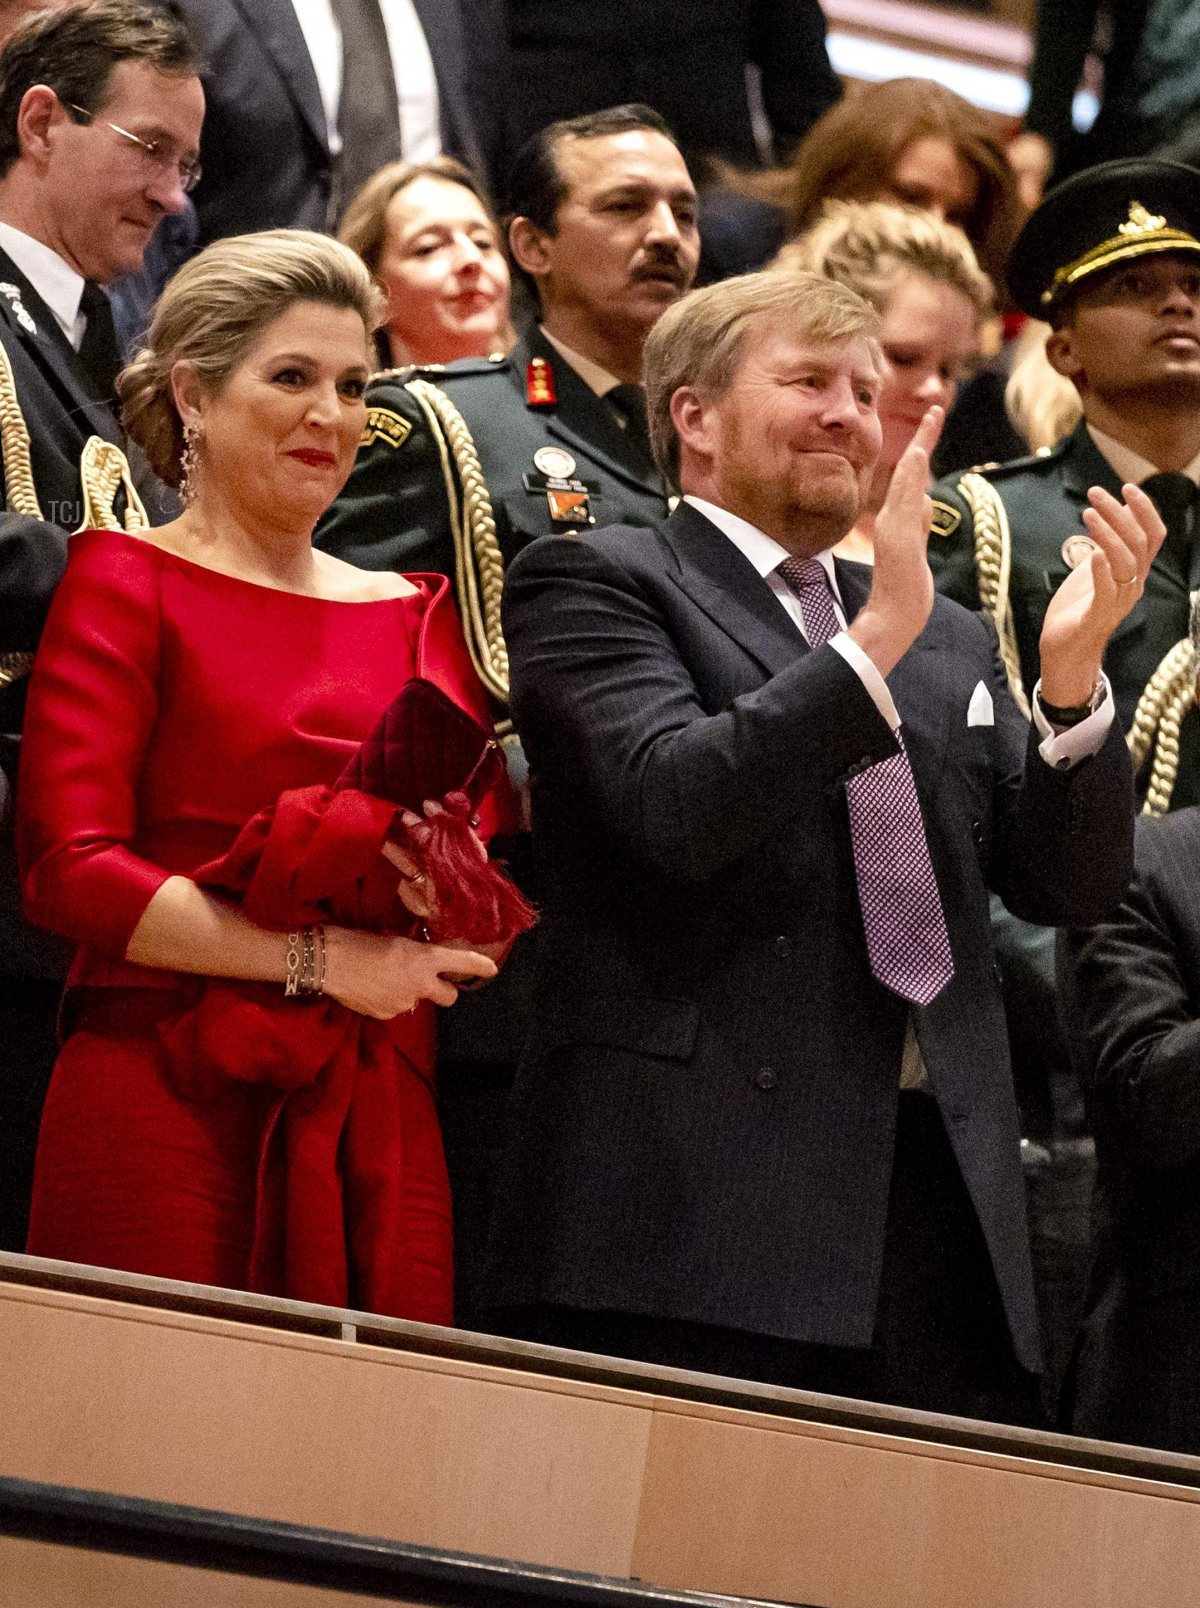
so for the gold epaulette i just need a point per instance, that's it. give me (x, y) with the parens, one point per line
(103, 471)
(993, 568)
(478, 562)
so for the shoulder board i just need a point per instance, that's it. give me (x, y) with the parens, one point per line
(946, 520)
(385, 425)
(1033, 460)
(464, 369)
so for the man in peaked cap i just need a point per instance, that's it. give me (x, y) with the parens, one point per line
(461, 467)
(1111, 260)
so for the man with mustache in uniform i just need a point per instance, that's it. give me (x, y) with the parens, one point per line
(462, 466)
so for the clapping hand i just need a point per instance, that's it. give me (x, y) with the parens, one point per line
(1096, 597)
(894, 615)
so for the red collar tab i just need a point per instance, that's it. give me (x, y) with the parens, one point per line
(539, 384)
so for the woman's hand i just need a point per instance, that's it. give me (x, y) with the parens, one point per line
(416, 892)
(386, 977)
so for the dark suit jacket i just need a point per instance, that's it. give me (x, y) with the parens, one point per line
(265, 145)
(572, 56)
(61, 411)
(705, 1113)
(1136, 1013)
(1134, 1010)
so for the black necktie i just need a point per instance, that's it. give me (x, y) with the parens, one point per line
(1174, 495)
(98, 351)
(629, 401)
(368, 111)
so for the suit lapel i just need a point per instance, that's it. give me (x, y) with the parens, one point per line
(583, 420)
(722, 582)
(275, 25)
(53, 353)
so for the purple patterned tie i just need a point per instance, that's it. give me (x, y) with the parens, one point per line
(907, 942)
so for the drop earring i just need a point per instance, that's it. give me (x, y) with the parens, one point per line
(188, 463)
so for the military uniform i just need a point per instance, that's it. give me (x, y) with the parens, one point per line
(51, 414)
(1002, 541)
(1032, 506)
(459, 469)
(540, 452)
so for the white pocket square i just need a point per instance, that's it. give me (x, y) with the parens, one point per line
(980, 710)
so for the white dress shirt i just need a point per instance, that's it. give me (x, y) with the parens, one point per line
(58, 284)
(1129, 465)
(412, 67)
(593, 375)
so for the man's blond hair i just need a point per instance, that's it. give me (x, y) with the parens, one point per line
(700, 341)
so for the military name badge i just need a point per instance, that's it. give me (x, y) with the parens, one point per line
(12, 296)
(384, 425)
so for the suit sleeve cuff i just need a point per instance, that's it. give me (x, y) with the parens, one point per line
(1063, 750)
(867, 672)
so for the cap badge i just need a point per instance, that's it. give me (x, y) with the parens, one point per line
(1141, 222)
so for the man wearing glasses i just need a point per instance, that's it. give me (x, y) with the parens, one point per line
(100, 114)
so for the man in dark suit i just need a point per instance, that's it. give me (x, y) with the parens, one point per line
(461, 467)
(100, 113)
(765, 870)
(1136, 1032)
(573, 57)
(274, 71)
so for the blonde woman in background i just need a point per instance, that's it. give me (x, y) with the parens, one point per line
(427, 234)
(1043, 405)
(922, 276)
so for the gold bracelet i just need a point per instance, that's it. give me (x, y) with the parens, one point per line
(305, 962)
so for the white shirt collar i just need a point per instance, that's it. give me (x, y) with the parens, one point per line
(763, 551)
(1130, 465)
(56, 282)
(595, 377)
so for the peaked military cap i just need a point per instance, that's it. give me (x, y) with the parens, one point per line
(1098, 218)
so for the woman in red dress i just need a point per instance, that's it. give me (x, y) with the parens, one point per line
(257, 1132)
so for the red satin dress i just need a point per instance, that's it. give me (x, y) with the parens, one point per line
(169, 704)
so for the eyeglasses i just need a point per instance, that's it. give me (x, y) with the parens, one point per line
(154, 158)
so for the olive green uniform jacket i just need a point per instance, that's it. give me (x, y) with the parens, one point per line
(413, 502)
(1042, 500)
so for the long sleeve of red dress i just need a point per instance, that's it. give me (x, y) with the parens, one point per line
(92, 709)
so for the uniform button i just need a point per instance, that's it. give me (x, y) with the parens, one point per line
(783, 948)
(977, 833)
(765, 1078)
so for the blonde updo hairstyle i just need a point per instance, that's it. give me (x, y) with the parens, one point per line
(873, 246)
(214, 309)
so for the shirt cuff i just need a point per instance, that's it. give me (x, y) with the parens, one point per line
(867, 671)
(1064, 749)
